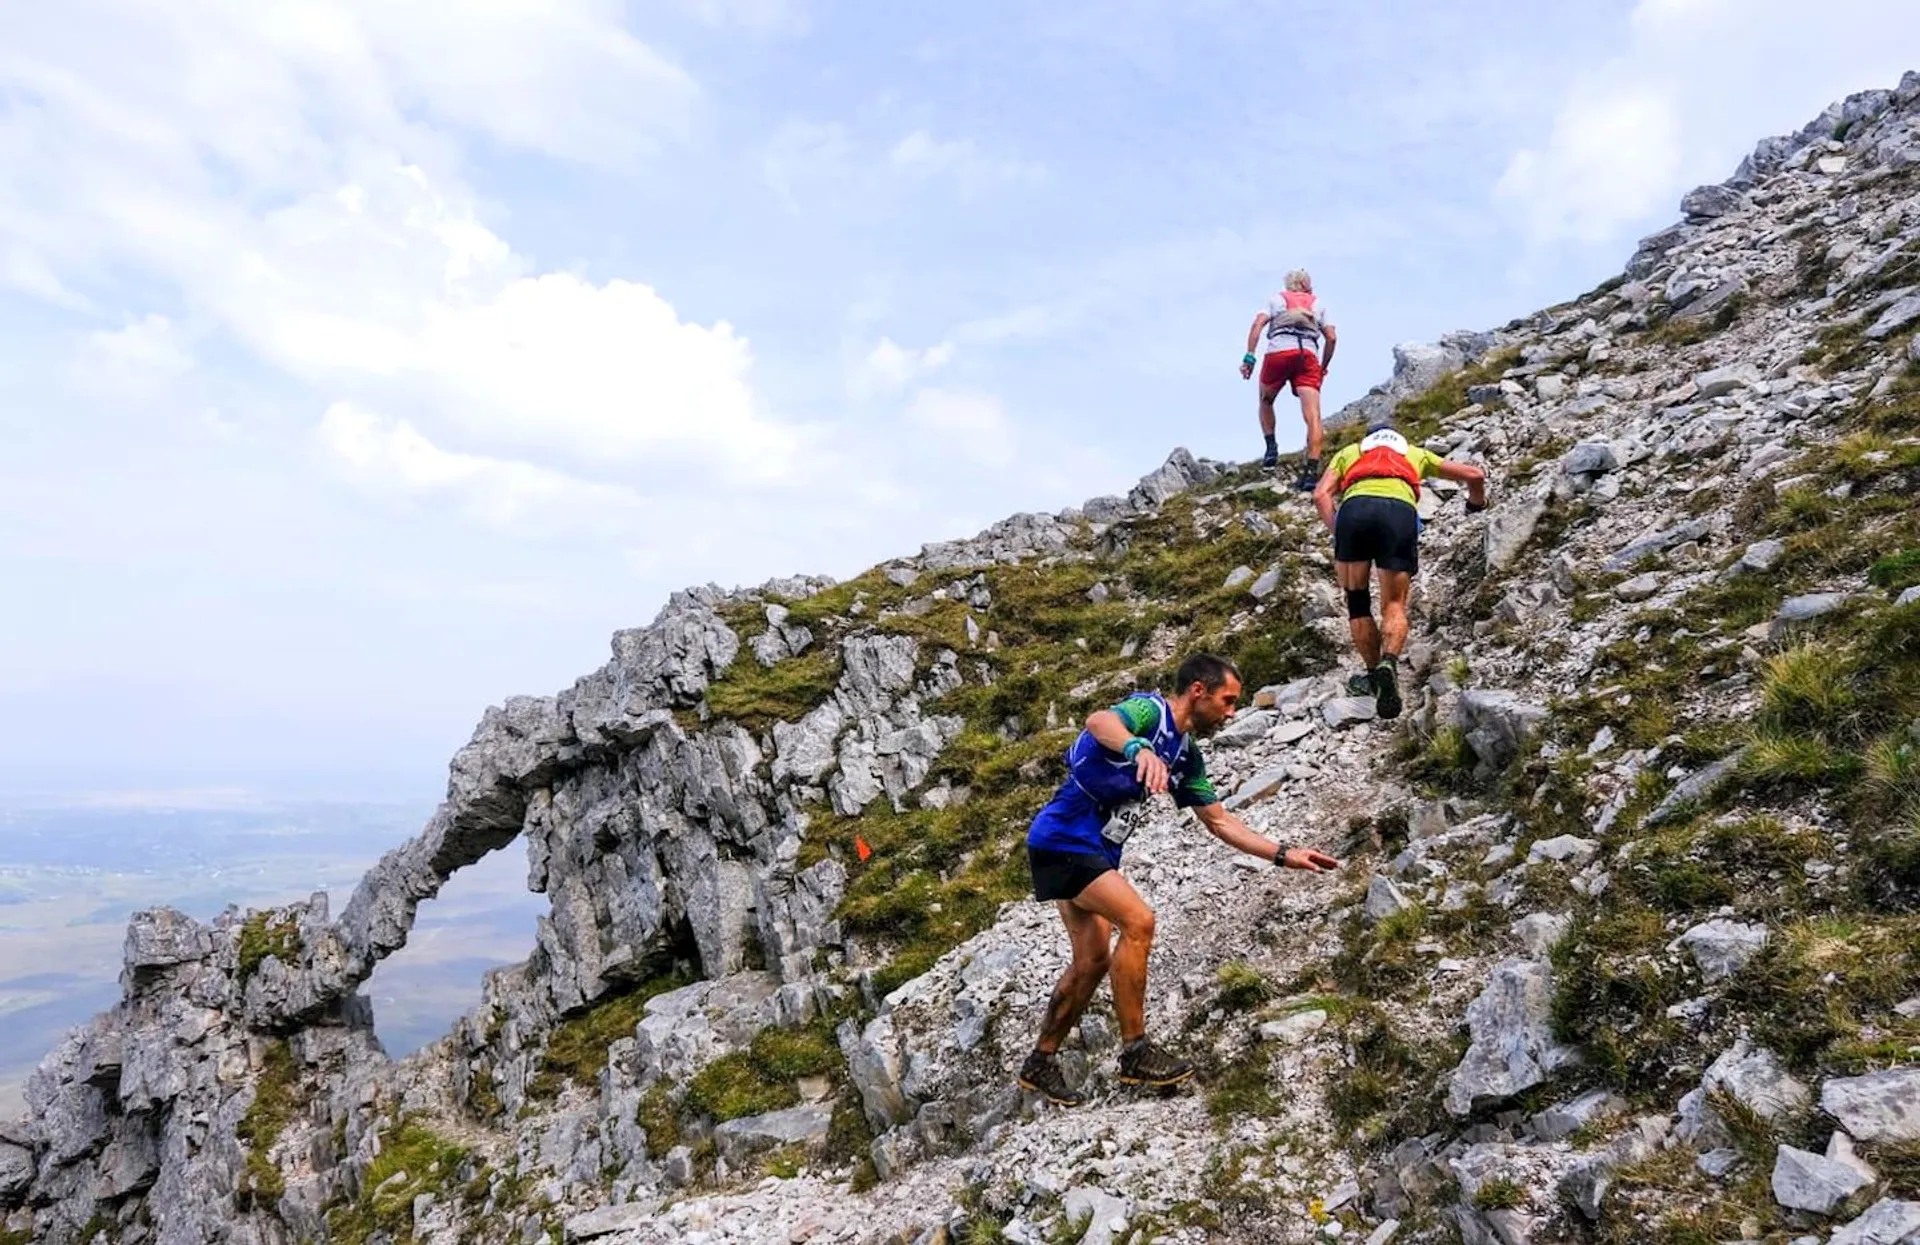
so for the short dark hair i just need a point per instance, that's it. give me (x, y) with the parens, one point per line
(1205, 669)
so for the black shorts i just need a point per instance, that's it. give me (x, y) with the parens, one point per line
(1063, 875)
(1380, 530)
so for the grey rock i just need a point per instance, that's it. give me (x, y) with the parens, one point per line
(1812, 1182)
(1237, 576)
(1659, 542)
(874, 1066)
(1512, 1038)
(1886, 1222)
(1709, 304)
(1878, 1107)
(1696, 787)
(1795, 611)
(1722, 947)
(1709, 202)
(1586, 1183)
(16, 1173)
(1178, 474)
(1104, 1214)
(678, 1167)
(1639, 588)
(1384, 899)
(1343, 711)
(1564, 849)
(1246, 728)
(1590, 458)
(1510, 528)
(1257, 788)
(1754, 1077)
(1718, 1163)
(1498, 724)
(1549, 387)
(1292, 731)
(1908, 597)
(1294, 1029)
(611, 1219)
(1266, 585)
(1758, 558)
(1541, 931)
(902, 576)
(164, 938)
(1895, 318)
(1562, 1120)
(738, 1141)
(1721, 380)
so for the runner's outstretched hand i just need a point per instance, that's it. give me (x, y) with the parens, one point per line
(1308, 859)
(1151, 771)
(1246, 371)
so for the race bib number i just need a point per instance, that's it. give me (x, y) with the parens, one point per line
(1125, 820)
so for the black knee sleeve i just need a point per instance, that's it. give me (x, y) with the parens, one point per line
(1359, 603)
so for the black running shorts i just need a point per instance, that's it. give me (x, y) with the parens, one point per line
(1063, 875)
(1379, 530)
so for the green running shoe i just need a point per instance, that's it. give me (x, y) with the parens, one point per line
(1386, 690)
(1041, 1074)
(1143, 1063)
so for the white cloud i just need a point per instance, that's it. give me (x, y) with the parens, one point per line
(972, 425)
(1688, 97)
(960, 159)
(366, 275)
(889, 368)
(134, 361)
(392, 459)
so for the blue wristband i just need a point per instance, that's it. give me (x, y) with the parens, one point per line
(1132, 748)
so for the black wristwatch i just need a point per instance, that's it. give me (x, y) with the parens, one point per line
(1280, 858)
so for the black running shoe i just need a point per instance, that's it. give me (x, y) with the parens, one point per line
(1309, 476)
(1143, 1063)
(1271, 458)
(1386, 690)
(1360, 684)
(1041, 1074)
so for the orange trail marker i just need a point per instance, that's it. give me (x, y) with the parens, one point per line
(860, 845)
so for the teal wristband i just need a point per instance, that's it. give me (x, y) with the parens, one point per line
(1249, 360)
(1132, 748)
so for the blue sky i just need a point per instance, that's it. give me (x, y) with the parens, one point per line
(364, 363)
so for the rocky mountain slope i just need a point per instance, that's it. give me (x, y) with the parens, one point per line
(1625, 947)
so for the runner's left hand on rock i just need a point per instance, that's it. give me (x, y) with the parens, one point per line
(1308, 859)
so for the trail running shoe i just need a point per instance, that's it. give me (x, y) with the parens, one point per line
(1360, 684)
(1041, 1074)
(1309, 476)
(1271, 458)
(1386, 690)
(1143, 1063)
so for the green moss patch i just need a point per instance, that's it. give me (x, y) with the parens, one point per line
(265, 934)
(577, 1049)
(413, 1160)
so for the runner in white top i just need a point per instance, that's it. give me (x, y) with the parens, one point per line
(1289, 331)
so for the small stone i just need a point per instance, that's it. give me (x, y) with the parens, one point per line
(1292, 731)
(1539, 932)
(1343, 711)
(1878, 1107)
(1895, 318)
(1237, 576)
(1811, 1182)
(1590, 458)
(1384, 899)
(1561, 1120)
(1886, 1222)
(1758, 558)
(1723, 380)
(1801, 609)
(1291, 1030)
(1384, 1233)
(1639, 588)
(1266, 585)
(1257, 788)
(1719, 1162)
(1563, 848)
(1911, 594)
(1721, 947)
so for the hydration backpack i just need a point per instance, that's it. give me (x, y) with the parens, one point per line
(1298, 318)
(1383, 454)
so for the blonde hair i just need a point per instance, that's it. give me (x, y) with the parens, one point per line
(1299, 280)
